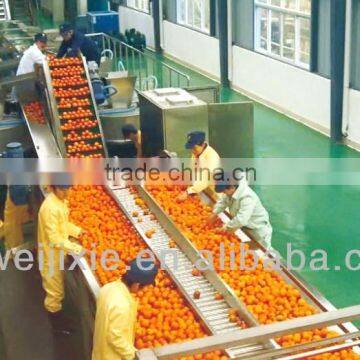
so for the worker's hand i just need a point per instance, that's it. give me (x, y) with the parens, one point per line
(182, 196)
(211, 219)
(223, 227)
(83, 232)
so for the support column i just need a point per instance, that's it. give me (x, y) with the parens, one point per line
(157, 22)
(314, 52)
(223, 42)
(82, 7)
(338, 19)
(58, 8)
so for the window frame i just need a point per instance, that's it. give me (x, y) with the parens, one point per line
(190, 24)
(144, 9)
(297, 14)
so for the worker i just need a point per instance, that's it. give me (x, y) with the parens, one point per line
(34, 55)
(1, 229)
(116, 313)
(246, 210)
(130, 132)
(54, 231)
(204, 157)
(17, 200)
(17, 212)
(75, 42)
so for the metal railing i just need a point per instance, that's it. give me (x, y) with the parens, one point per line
(7, 14)
(143, 65)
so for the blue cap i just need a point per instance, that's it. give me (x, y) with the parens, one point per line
(226, 181)
(41, 37)
(65, 27)
(128, 129)
(195, 138)
(219, 188)
(144, 274)
(62, 187)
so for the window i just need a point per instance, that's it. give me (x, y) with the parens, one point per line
(195, 14)
(283, 30)
(141, 5)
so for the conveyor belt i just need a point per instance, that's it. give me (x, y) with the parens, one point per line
(214, 313)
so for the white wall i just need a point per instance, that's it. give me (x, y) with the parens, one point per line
(291, 90)
(192, 47)
(138, 20)
(354, 116)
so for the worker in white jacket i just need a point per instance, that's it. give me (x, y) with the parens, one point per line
(33, 55)
(246, 210)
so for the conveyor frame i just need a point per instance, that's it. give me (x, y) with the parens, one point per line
(54, 108)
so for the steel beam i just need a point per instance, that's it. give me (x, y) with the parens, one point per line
(260, 333)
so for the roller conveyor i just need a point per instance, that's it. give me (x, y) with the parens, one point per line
(214, 313)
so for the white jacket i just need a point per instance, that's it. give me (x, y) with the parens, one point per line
(31, 56)
(247, 212)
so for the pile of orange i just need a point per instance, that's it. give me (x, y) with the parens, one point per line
(163, 316)
(72, 94)
(268, 297)
(34, 112)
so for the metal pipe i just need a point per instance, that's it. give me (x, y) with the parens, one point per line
(347, 65)
(140, 68)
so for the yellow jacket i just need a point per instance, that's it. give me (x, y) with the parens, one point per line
(54, 230)
(115, 322)
(203, 166)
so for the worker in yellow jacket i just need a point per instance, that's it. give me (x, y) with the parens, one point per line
(17, 212)
(116, 313)
(205, 160)
(54, 231)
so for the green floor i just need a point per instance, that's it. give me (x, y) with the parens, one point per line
(311, 217)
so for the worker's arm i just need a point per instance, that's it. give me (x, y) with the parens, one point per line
(76, 44)
(221, 205)
(212, 163)
(74, 231)
(62, 50)
(57, 239)
(243, 216)
(118, 326)
(39, 58)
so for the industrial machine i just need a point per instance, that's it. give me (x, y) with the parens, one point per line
(168, 115)
(55, 124)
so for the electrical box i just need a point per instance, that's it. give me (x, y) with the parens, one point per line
(103, 21)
